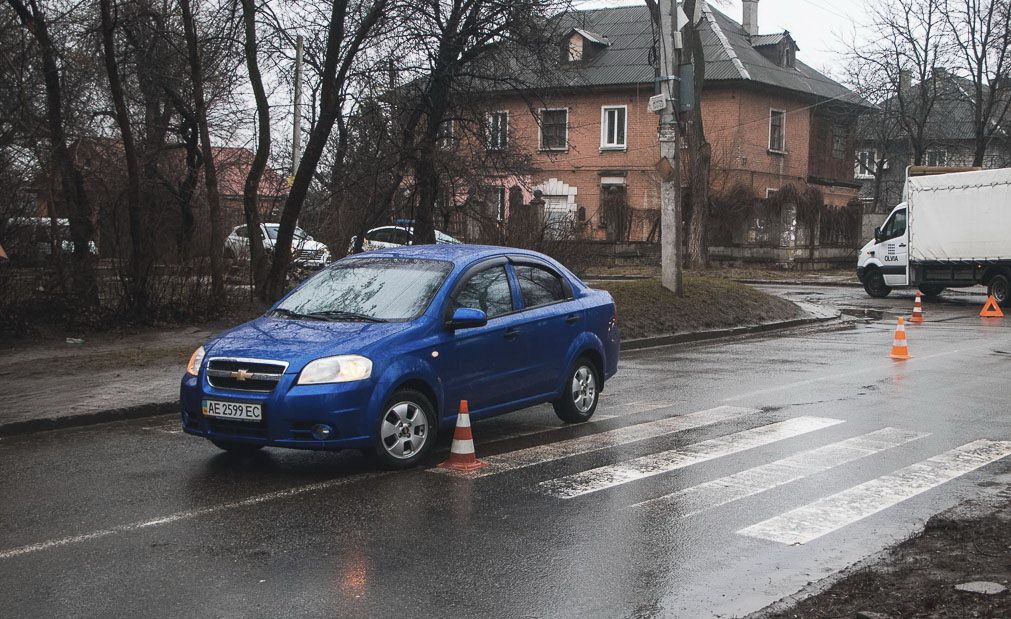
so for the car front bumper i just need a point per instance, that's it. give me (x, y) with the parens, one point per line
(289, 414)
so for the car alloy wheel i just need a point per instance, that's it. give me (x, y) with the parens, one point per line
(584, 389)
(404, 430)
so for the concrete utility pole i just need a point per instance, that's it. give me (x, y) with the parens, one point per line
(296, 131)
(670, 153)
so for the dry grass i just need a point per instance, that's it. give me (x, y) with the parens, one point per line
(645, 308)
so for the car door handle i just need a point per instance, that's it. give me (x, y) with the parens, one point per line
(511, 334)
(571, 319)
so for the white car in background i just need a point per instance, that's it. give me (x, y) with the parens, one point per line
(395, 236)
(305, 251)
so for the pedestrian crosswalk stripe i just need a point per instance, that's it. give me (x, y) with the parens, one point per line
(612, 475)
(602, 440)
(823, 516)
(701, 497)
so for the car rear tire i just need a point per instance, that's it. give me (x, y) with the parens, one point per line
(580, 393)
(1000, 288)
(874, 284)
(237, 449)
(406, 431)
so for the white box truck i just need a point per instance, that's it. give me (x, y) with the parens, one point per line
(952, 230)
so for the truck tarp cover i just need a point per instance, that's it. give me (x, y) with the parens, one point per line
(963, 216)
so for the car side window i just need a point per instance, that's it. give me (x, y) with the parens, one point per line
(539, 286)
(241, 232)
(486, 290)
(372, 235)
(400, 237)
(896, 225)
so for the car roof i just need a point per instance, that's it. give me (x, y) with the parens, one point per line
(458, 254)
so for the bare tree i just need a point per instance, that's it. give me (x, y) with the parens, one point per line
(72, 193)
(207, 155)
(981, 32)
(910, 39)
(699, 151)
(251, 189)
(345, 39)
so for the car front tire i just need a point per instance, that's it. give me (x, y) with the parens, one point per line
(874, 284)
(406, 431)
(580, 393)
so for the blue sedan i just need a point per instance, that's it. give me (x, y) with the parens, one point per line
(376, 352)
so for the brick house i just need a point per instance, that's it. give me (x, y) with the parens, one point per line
(771, 120)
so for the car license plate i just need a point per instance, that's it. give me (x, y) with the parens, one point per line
(232, 410)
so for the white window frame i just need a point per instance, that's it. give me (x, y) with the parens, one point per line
(782, 149)
(540, 129)
(501, 194)
(505, 130)
(604, 144)
(933, 151)
(871, 164)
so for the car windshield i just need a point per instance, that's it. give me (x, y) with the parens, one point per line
(367, 289)
(272, 233)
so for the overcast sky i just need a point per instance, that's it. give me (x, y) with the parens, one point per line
(818, 26)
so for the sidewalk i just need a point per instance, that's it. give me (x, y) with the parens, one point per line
(108, 376)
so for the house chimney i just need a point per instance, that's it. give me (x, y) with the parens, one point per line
(905, 80)
(750, 20)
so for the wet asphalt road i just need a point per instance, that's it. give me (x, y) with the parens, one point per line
(135, 518)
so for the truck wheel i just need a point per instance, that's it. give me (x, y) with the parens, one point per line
(874, 284)
(1000, 288)
(931, 292)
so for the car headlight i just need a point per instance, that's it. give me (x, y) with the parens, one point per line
(339, 369)
(193, 367)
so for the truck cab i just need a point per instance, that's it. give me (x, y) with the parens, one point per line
(883, 262)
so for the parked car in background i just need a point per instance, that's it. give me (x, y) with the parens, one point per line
(395, 236)
(34, 238)
(377, 350)
(305, 251)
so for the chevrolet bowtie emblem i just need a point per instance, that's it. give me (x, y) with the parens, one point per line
(241, 375)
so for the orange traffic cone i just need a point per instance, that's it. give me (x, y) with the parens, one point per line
(899, 348)
(991, 309)
(461, 454)
(917, 316)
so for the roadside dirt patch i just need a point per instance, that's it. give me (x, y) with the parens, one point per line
(918, 577)
(645, 308)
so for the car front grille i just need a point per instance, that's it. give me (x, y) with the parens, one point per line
(237, 428)
(245, 374)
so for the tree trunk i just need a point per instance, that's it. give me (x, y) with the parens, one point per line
(698, 148)
(71, 181)
(138, 294)
(210, 170)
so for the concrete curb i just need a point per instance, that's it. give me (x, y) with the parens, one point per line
(699, 336)
(30, 426)
(797, 282)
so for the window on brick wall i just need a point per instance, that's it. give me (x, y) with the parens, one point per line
(866, 161)
(613, 125)
(498, 130)
(554, 129)
(777, 131)
(839, 142)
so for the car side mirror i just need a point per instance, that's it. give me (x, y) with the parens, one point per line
(877, 234)
(467, 318)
